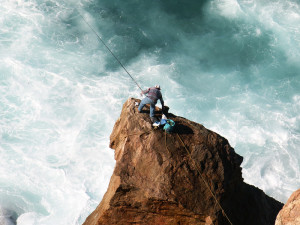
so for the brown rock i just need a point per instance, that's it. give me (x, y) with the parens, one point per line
(178, 178)
(290, 213)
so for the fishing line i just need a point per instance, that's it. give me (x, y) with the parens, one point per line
(102, 41)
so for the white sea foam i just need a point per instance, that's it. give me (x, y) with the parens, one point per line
(54, 136)
(60, 96)
(227, 8)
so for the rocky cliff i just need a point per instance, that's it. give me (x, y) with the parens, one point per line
(191, 176)
(290, 213)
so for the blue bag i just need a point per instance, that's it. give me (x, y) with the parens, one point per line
(169, 126)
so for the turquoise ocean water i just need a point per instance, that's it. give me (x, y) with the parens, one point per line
(231, 65)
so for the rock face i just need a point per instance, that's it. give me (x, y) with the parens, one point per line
(186, 177)
(290, 213)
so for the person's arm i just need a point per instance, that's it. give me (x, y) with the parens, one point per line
(162, 103)
(145, 91)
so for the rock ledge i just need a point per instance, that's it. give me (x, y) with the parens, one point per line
(156, 181)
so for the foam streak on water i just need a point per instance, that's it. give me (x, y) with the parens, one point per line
(232, 65)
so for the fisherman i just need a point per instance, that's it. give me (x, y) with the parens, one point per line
(152, 95)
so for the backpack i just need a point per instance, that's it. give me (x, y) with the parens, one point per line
(169, 126)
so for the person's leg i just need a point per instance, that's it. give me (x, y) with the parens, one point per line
(152, 109)
(141, 106)
(143, 103)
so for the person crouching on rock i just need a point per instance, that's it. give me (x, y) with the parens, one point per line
(152, 95)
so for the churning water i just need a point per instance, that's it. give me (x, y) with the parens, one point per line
(232, 65)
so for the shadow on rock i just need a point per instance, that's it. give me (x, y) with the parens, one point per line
(182, 129)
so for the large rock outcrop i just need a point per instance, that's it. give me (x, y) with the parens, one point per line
(290, 213)
(178, 178)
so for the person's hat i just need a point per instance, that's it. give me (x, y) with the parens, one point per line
(157, 86)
